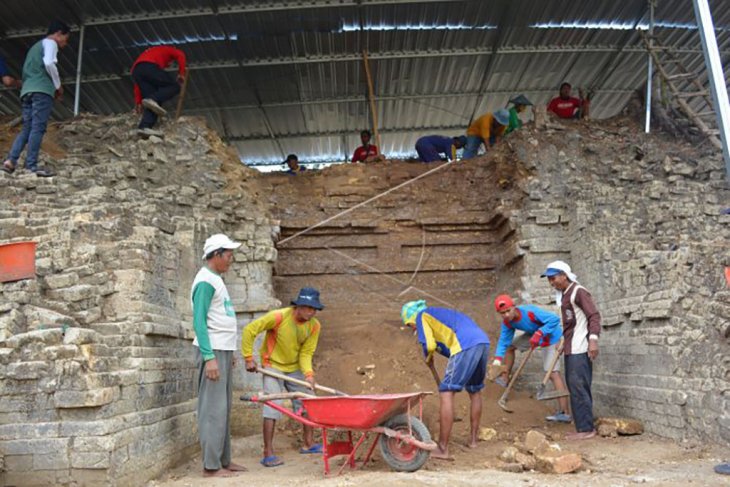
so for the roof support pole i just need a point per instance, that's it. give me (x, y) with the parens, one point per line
(717, 77)
(77, 94)
(650, 69)
(371, 98)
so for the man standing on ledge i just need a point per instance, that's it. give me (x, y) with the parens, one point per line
(41, 85)
(581, 329)
(291, 338)
(216, 333)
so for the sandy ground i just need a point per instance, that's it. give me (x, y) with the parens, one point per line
(608, 462)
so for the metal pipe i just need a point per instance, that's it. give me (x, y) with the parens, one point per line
(717, 77)
(77, 95)
(650, 69)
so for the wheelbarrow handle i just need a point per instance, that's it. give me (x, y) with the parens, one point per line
(304, 383)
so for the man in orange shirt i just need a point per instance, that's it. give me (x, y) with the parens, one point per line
(153, 85)
(487, 130)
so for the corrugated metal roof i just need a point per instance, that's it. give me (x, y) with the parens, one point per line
(277, 77)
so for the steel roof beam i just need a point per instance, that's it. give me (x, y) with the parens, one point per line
(338, 133)
(222, 10)
(363, 99)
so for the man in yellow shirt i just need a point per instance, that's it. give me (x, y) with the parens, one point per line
(487, 130)
(291, 339)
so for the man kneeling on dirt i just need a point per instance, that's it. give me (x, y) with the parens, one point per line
(291, 339)
(457, 337)
(537, 328)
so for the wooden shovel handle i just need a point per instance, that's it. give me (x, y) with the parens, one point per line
(517, 374)
(304, 383)
(558, 353)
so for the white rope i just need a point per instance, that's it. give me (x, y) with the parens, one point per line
(394, 279)
(368, 201)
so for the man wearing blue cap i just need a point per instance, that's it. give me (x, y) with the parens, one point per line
(291, 338)
(431, 147)
(458, 338)
(487, 130)
(581, 329)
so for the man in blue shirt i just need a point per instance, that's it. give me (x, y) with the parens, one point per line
(431, 147)
(458, 338)
(536, 328)
(292, 161)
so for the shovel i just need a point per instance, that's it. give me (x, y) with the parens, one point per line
(436, 377)
(304, 383)
(541, 394)
(503, 400)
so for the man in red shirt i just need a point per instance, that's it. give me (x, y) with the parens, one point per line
(153, 85)
(366, 152)
(566, 106)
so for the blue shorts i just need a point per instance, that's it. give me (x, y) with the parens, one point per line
(467, 369)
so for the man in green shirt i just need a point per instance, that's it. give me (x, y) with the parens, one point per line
(216, 337)
(41, 84)
(519, 104)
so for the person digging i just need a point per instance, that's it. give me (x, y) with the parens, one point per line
(458, 338)
(291, 338)
(528, 327)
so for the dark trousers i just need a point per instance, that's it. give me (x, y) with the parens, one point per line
(154, 83)
(578, 377)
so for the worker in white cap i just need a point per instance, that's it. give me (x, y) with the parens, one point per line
(581, 329)
(216, 334)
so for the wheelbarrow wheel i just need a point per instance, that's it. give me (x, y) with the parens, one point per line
(402, 456)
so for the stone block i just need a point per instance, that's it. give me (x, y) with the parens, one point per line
(535, 440)
(623, 426)
(528, 462)
(509, 454)
(80, 336)
(47, 336)
(91, 460)
(18, 463)
(56, 281)
(85, 399)
(487, 434)
(35, 446)
(26, 370)
(558, 462)
(51, 461)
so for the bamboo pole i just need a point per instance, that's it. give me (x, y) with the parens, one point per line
(371, 97)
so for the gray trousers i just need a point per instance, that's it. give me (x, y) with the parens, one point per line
(214, 411)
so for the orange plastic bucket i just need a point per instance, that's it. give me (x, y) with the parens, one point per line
(17, 261)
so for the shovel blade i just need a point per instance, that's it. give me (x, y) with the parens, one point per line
(544, 396)
(503, 404)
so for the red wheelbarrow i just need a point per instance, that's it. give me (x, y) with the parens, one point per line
(405, 442)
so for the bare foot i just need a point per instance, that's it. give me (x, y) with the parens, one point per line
(219, 473)
(440, 454)
(473, 444)
(234, 467)
(581, 435)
